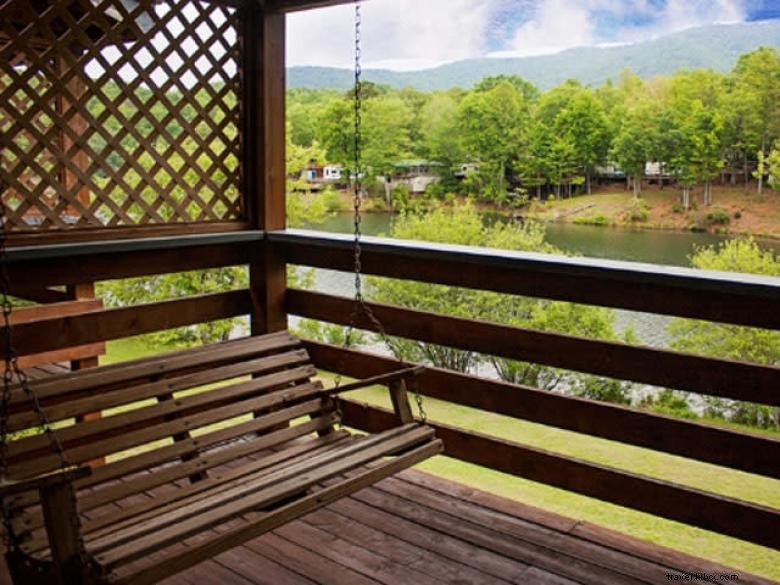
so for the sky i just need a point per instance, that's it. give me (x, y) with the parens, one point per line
(416, 34)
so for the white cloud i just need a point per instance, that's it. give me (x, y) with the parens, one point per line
(415, 34)
(678, 15)
(554, 26)
(398, 34)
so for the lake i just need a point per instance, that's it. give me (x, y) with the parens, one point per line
(653, 246)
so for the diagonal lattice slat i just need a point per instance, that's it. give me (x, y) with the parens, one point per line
(118, 113)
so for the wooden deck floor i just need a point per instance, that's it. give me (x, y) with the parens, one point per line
(421, 530)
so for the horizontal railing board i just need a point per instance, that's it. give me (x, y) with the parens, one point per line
(706, 375)
(98, 234)
(719, 446)
(743, 520)
(740, 299)
(59, 333)
(125, 262)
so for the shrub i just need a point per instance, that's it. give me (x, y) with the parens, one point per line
(718, 217)
(638, 210)
(592, 220)
(333, 201)
(401, 197)
(677, 208)
(737, 214)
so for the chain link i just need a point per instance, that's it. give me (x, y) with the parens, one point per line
(357, 194)
(11, 362)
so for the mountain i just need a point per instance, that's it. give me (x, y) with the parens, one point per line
(714, 46)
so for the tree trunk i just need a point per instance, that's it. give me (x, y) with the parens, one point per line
(637, 187)
(388, 193)
(686, 199)
(761, 167)
(587, 180)
(628, 182)
(539, 192)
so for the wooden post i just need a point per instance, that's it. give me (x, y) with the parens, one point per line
(263, 157)
(400, 400)
(59, 511)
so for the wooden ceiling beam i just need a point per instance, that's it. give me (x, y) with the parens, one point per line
(298, 5)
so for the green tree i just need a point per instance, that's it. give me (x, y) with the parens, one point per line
(773, 163)
(583, 122)
(461, 224)
(494, 125)
(731, 341)
(635, 143)
(757, 83)
(528, 90)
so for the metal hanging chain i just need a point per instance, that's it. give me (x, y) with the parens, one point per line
(357, 190)
(10, 539)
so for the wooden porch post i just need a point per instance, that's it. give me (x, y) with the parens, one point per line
(263, 63)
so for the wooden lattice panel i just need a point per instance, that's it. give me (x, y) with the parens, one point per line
(118, 113)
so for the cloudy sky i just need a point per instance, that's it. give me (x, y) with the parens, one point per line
(413, 34)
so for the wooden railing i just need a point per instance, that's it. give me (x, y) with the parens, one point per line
(720, 297)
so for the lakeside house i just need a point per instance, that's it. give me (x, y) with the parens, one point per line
(316, 176)
(415, 175)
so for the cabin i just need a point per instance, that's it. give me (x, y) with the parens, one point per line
(415, 175)
(317, 176)
(148, 138)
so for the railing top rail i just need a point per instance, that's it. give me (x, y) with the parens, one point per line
(740, 299)
(55, 251)
(704, 280)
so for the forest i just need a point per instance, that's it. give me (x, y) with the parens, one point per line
(526, 143)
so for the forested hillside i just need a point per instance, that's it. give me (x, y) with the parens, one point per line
(716, 46)
(524, 142)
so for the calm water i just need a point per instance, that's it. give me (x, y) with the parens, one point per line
(654, 246)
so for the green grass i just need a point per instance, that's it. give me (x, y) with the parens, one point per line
(728, 551)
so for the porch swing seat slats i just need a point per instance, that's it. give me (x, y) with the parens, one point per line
(203, 449)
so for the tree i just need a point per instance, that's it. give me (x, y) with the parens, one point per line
(731, 341)
(494, 125)
(773, 164)
(528, 90)
(635, 142)
(386, 133)
(696, 153)
(461, 224)
(440, 132)
(583, 123)
(757, 81)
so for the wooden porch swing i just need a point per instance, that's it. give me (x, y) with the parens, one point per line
(204, 449)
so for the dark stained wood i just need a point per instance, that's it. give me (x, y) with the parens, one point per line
(716, 296)
(706, 375)
(216, 465)
(98, 326)
(452, 533)
(264, 160)
(39, 294)
(739, 450)
(298, 5)
(100, 234)
(127, 263)
(744, 520)
(80, 353)
(34, 313)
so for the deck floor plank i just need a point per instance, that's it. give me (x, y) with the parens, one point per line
(418, 529)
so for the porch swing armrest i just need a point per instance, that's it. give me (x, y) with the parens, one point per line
(403, 374)
(13, 487)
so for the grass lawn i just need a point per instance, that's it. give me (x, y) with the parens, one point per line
(728, 551)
